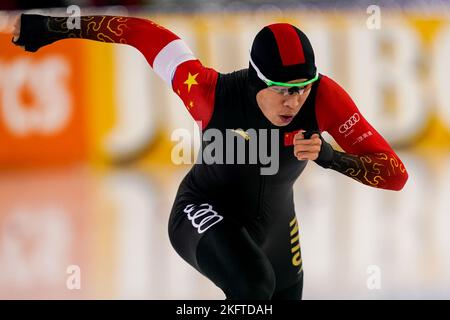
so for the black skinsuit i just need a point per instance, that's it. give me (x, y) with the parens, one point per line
(255, 208)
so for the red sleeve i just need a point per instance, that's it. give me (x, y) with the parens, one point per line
(173, 61)
(369, 158)
(166, 53)
(196, 86)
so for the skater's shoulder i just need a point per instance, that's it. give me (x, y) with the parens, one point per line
(235, 77)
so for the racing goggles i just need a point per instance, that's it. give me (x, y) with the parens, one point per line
(283, 87)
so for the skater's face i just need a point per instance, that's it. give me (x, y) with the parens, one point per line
(280, 104)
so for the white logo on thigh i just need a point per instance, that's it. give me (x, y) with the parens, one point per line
(202, 217)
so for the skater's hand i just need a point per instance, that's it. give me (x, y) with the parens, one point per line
(307, 149)
(16, 29)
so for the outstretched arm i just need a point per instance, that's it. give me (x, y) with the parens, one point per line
(165, 52)
(368, 158)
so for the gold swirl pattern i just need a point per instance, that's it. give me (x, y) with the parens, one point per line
(101, 28)
(378, 170)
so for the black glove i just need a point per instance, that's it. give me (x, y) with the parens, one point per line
(326, 153)
(33, 30)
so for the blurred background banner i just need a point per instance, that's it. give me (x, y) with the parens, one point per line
(43, 106)
(82, 100)
(87, 181)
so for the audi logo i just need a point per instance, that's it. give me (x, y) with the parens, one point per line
(202, 217)
(349, 123)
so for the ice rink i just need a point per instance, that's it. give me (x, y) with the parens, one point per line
(112, 225)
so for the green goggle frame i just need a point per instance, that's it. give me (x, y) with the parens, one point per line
(271, 83)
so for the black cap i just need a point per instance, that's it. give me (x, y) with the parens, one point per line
(282, 53)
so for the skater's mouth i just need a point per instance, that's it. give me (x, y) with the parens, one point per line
(286, 118)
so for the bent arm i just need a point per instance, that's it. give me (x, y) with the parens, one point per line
(368, 158)
(166, 53)
(145, 35)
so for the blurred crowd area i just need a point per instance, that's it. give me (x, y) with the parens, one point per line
(28, 4)
(202, 5)
(86, 177)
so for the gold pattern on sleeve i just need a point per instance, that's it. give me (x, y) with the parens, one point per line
(102, 28)
(370, 169)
